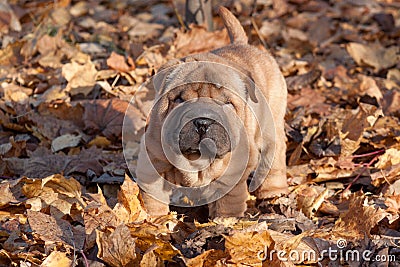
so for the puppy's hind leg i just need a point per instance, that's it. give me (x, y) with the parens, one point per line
(275, 184)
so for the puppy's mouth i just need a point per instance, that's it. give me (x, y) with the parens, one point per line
(204, 136)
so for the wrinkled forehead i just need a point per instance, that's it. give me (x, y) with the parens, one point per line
(201, 76)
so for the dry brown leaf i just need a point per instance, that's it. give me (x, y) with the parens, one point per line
(198, 40)
(42, 165)
(389, 158)
(105, 116)
(369, 87)
(210, 258)
(47, 126)
(98, 215)
(80, 74)
(51, 230)
(393, 204)
(292, 245)
(14, 242)
(391, 102)
(152, 233)
(53, 49)
(374, 55)
(320, 30)
(8, 21)
(128, 198)
(6, 196)
(327, 169)
(247, 248)
(57, 258)
(11, 55)
(57, 183)
(118, 62)
(309, 200)
(152, 58)
(100, 141)
(56, 193)
(388, 175)
(310, 99)
(16, 94)
(65, 141)
(359, 219)
(117, 248)
(149, 258)
(143, 30)
(354, 125)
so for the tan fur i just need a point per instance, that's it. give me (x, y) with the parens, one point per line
(264, 71)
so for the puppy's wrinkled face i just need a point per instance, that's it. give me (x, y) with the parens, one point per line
(206, 124)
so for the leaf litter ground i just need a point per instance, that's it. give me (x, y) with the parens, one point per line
(68, 70)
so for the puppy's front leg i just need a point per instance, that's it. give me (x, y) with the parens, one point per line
(233, 204)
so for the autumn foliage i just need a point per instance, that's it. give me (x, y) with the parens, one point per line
(68, 70)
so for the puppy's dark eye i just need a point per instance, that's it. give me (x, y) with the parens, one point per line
(178, 99)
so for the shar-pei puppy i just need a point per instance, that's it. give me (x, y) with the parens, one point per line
(217, 119)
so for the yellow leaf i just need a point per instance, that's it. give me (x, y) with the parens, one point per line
(56, 258)
(247, 248)
(128, 197)
(210, 258)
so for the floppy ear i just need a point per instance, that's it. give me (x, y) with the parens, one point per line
(157, 83)
(158, 80)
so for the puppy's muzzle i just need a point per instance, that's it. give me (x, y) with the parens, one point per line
(204, 134)
(202, 125)
(197, 127)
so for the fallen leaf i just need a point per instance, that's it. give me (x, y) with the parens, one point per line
(51, 230)
(389, 158)
(105, 116)
(15, 93)
(359, 219)
(198, 40)
(65, 141)
(388, 175)
(6, 196)
(9, 20)
(118, 62)
(80, 74)
(57, 258)
(354, 125)
(209, 258)
(116, 248)
(150, 258)
(128, 198)
(148, 234)
(248, 248)
(374, 55)
(309, 200)
(309, 98)
(98, 215)
(57, 183)
(100, 141)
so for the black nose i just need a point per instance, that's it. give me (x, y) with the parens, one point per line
(202, 124)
